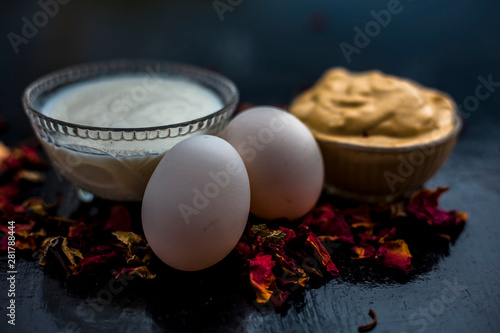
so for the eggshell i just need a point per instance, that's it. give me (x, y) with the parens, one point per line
(283, 160)
(196, 203)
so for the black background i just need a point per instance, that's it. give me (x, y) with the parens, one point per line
(272, 50)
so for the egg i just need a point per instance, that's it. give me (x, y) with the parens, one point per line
(196, 203)
(283, 160)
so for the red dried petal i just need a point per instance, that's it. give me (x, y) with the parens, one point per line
(395, 254)
(20, 157)
(141, 271)
(243, 248)
(289, 277)
(424, 205)
(14, 161)
(279, 298)
(284, 260)
(262, 277)
(10, 190)
(76, 231)
(366, 236)
(31, 155)
(290, 234)
(6, 205)
(361, 222)
(321, 254)
(26, 244)
(364, 250)
(90, 260)
(329, 222)
(458, 217)
(21, 229)
(4, 243)
(387, 234)
(119, 219)
(24, 229)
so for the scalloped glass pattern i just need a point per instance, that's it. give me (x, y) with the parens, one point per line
(116, 163)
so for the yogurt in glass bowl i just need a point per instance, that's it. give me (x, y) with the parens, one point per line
(106, 125)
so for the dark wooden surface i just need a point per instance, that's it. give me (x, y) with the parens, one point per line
(219, 299)
(272, 50)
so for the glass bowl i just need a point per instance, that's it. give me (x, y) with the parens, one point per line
(116, 163)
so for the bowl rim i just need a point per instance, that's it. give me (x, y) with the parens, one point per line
(458, 123)
(124, 66)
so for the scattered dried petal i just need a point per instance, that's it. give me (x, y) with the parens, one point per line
(279, 297)
(243, 248)
(56, 250)
(97, 256)
(119, 219)
(321, 254)
(364, 250)
(9, 190)
(262, 277)
(330, 223)
(30, 175)
(128, 238)
(395, 254)
(141, 271)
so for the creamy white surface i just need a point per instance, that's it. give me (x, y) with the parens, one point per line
(124, 101)
(121, 170)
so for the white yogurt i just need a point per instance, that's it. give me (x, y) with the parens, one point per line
(132, 101)
(120, 170)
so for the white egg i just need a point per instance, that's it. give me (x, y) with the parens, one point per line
(283, 161)
(196, 203)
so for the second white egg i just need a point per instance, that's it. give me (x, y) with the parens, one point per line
(283, 160)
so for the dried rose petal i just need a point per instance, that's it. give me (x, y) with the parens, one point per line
(262, 277)
(37, 206)
(135, 247)
(4, 243)
(321, 254)
(129, 238)
(119, 219)
(398, 209)
(96, 258)
(387, 234)
(22, 229)
(141, 271)
(330, 223)
(9, 190)
(287, 263)
(364, 250)
(279, 297)
(395, 254)
(26, 244)
(56, 250)
(424, 205)
(244, 249)
(78, 231)
(291, 277)
(289, 234)
(29, 175)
